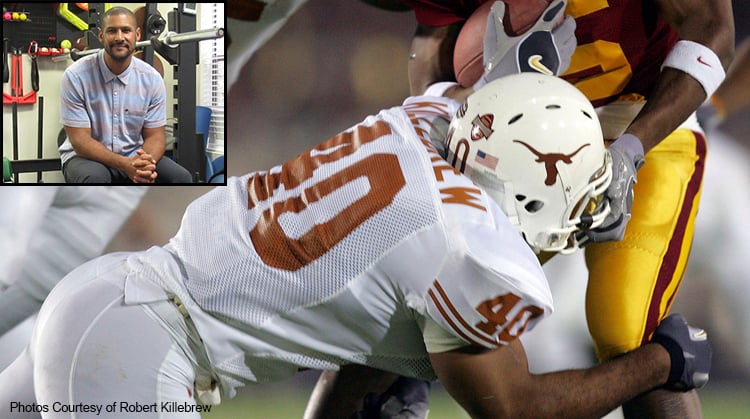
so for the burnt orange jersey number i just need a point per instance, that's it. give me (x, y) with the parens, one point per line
(496, 311)
(379, 174)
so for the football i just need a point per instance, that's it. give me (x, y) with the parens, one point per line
(520, 16)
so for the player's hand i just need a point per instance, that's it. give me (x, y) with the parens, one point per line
(627, 157)
(689, 351)
(143, 168)
(407, 398)
(545, 47)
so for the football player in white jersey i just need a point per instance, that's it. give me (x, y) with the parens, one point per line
(46, 232)
(370, 250)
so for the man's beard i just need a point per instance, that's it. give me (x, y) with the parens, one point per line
(114, 48)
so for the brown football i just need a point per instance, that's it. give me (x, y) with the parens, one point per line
(520, 16)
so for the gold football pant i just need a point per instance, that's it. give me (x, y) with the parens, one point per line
(633, 282)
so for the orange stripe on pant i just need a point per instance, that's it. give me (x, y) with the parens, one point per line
(632, 283)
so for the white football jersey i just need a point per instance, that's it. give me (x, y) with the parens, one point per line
(342, 254)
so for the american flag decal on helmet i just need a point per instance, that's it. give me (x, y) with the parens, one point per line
(487, 160)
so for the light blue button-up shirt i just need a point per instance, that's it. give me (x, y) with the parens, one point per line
(115, 107)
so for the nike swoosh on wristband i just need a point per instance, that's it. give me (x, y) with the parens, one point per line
(700, 60)
(535, 62)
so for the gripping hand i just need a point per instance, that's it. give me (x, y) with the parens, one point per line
(545, 48)
(407, 398)
(627, 158)
(689, 350)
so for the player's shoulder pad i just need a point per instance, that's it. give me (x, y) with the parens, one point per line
(492, 288)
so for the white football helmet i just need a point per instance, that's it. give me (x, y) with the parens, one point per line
(533, 142)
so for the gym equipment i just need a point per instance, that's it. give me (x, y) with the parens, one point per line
(6, 67)
(76, 21)
(7, 171)
(219, 170)
(202, 126)
(150, 22)
(16, 82)
(190, 152)
(33, 52)
(171, 40)
(11, 168)
(17, 98)
(39, 142)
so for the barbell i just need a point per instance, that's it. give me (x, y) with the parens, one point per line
(171, 39)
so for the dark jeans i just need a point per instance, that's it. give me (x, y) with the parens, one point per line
(81, 170)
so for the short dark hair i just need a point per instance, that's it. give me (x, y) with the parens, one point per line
(118, 10)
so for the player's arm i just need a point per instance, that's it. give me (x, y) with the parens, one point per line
(154, 142)
(88, 147)
(707, 24)
(691, 72)
(339, 394)
(497, 384)
(551, 35)
(431, 60)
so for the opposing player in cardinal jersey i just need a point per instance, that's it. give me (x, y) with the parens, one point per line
(646, 66)
(46, 232)
(369, 249)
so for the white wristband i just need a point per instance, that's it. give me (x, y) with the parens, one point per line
(699, 61)
(439, 89)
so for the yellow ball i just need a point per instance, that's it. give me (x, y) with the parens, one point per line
(15, 16)
(22, 16)
(65, 44)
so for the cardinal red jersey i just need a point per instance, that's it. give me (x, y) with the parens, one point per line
(442, 12)
(621, 43)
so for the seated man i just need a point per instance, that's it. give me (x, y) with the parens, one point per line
(113, 109)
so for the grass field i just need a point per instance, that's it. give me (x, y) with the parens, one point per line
(278, 401)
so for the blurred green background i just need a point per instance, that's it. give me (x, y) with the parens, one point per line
(724, 400)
